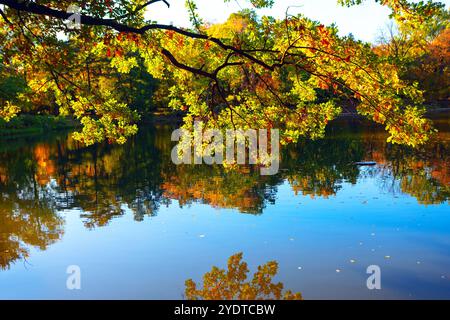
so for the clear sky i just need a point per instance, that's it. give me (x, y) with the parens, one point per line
(363, 21)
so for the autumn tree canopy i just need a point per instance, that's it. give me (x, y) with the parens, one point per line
(249, 72)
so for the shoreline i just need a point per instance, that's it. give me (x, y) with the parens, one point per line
(32, 125)
(28, 126)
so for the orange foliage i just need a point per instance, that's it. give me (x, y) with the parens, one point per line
(432, 70)
(46, 168)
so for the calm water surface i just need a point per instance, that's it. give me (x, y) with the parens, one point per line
(138, 226)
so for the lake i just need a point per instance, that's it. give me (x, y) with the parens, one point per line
(138, 226)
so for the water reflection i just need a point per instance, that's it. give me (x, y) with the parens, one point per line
(39, 179)
(28, 205)
(232, 284)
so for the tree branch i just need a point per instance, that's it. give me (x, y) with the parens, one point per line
(180, 65)
(145, 5)
(38, 9)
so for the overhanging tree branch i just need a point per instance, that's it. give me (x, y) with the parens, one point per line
(38, 9)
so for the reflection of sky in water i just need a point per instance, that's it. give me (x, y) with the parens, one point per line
(152, 259)
(345, 227)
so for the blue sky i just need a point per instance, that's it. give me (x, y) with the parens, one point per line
(363, 21)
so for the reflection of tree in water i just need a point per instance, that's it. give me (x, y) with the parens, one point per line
(232, 284)
(28, 215)
(39, 179)
(423, 174)
(243, 189)
(106, 181)
(26, 223)
(318, 168)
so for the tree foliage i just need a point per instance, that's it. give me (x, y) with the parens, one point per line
(250, 71)
(421, 53)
